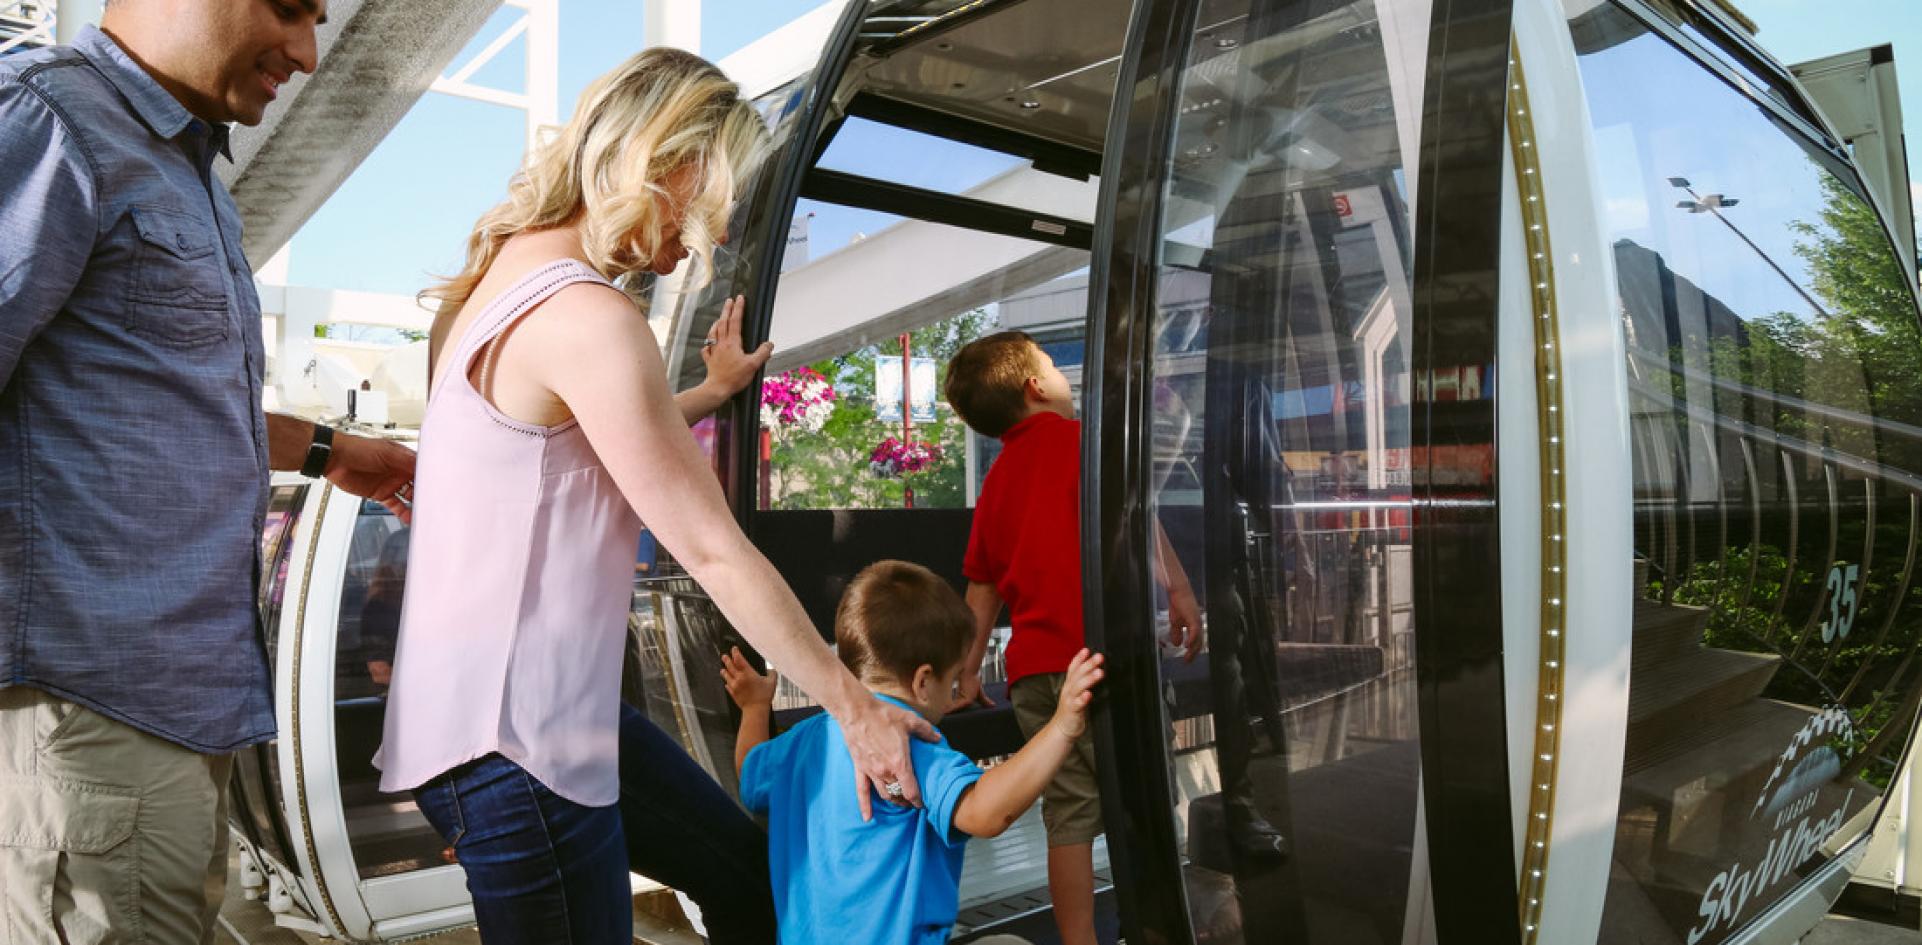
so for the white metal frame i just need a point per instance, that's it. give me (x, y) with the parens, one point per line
(323, 891)
(32, 23)
(540, 26)
(1599, 535)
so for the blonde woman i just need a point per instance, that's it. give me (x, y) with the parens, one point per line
(550, 436)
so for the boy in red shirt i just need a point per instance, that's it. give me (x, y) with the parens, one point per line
(1025, 549)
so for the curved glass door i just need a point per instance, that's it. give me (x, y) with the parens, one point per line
(386, 832)
(1777, 439)
(1279, 454)
(255, 790)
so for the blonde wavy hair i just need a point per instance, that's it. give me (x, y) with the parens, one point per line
(635, 127)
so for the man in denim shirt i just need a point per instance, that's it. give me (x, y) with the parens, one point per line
(134, 462)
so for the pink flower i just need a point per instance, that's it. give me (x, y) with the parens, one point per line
(893, 458)
(800, 397)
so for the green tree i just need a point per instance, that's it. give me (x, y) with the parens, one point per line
(1860, 353)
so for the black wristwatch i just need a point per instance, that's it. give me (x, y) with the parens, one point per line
(318, 454)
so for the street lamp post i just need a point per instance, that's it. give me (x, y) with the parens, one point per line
(1712, 205)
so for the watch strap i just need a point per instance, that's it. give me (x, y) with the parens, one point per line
(321, 450)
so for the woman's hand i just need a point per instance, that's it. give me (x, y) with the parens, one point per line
(729, 366)
(877, 736)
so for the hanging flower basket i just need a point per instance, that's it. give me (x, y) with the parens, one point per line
(798, 398)
(893, 458)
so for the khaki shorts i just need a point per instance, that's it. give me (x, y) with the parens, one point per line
(1071, 803)
(107, 834)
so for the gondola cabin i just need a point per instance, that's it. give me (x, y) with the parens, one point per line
(1527, 389)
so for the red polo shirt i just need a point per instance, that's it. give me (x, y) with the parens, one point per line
(1026, 541)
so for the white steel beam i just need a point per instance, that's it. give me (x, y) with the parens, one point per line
(674, 23)
(538, 29)
(26, 23)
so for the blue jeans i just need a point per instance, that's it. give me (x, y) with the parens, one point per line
(543, 869)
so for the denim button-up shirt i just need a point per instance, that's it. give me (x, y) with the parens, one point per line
(133, 449)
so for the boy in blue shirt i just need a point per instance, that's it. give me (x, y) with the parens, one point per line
(896, 880)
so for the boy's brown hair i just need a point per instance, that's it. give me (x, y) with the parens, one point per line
(987, 381)
(897, 617)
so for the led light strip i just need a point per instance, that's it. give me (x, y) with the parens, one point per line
(1554, 578)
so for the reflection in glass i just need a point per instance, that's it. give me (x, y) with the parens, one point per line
(872, 149)
(255, 788)
(682, 314)
(1769, 336)
(386, 832)
(1280, 461)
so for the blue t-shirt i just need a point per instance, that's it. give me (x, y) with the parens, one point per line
(894, 880)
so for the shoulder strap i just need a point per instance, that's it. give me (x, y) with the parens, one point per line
(508, 307)
(520, 298)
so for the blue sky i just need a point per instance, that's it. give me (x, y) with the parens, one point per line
(405, 213)
(1800, 30)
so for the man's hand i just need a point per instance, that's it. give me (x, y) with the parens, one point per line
(729, 366)
(1184, 623)
(748, 688)
(969, 693)
(380, 470)
(877, 733)
(1071, 713)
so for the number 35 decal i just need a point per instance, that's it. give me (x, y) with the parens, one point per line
(1842, 602)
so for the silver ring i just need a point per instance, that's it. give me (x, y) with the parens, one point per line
(708, 343)
(894, 789)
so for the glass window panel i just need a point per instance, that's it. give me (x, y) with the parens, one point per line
(276, 550)
(898, 155)
(386, 832)
(1280, 456)
(1775, 448)
(845, 304)
(682, 315)
(257, 769)
(1604, 27)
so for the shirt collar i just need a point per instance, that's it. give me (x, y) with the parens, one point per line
(156, 107)
(1039, 418)
(884, 697)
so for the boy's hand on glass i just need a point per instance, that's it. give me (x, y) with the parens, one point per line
(1071, 713)
(1184, 623)
(749, 688)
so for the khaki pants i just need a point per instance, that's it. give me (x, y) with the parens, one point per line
(107, 834)
(1071, 803)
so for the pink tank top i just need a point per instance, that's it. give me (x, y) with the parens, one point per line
(519, 580)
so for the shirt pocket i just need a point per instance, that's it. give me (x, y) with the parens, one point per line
(178, 296)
